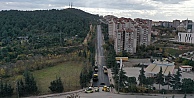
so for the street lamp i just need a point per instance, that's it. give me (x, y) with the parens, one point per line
(120, 68)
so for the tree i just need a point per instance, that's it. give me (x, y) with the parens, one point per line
(149, 81)
(28, 86)
(131, 84)
(40, 32)
(187, 85)
(30, 83)
(21, 88)
(56, 86)
(5, 90)
(176, 84)
(83, 79)
(160, 78)
(124, 53)
(168, 79)
(123, 78)
(142, 77)
(85, 76)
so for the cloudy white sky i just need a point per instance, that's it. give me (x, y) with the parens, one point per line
(165, 10)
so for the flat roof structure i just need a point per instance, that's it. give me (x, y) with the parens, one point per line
(186, 66)
(123, 58)
(154, 68)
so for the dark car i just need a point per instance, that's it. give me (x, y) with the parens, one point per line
(96, 68)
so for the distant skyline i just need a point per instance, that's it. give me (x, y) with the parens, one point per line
(164, 10)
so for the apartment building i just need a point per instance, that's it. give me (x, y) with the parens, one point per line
(144, 37)
(165, 24)
(128, 34)
(175, 23)
(125, 41)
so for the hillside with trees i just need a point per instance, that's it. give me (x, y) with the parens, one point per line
(57, 42)
(37, 34)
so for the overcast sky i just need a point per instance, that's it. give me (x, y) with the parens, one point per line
(165, 10)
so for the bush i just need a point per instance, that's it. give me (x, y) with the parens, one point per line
(56, 86)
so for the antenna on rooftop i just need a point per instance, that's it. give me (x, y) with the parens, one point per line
(71, 4)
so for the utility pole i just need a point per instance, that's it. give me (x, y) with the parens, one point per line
(71, 4)
(60, 38)
(121, 65)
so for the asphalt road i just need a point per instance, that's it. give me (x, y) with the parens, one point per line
(102, 94)
(102, 78)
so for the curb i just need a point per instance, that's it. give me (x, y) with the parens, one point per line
(58, 94)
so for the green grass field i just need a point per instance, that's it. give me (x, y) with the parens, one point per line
(177, 52)
(69, 73)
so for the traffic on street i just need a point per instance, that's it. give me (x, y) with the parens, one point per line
(100, 69)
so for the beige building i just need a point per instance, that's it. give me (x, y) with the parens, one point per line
(181, 27)
(125, 40)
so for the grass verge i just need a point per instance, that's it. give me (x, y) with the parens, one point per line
(68, 71)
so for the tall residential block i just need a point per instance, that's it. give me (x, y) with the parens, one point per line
(128, 34)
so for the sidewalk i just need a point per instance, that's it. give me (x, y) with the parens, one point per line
(57, 94)
(111, 80)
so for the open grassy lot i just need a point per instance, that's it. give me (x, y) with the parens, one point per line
(176, 51)
(68, 71)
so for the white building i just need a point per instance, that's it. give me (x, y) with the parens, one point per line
(186, 37)
(186, 68)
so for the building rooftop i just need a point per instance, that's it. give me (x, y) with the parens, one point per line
(154, 68)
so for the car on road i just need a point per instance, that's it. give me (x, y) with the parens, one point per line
(95, 77)
(105, 70)
(96, 68)
(89, 90)
(97, 89)
(105, 88)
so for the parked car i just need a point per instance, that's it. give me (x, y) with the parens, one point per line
(89, 90)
